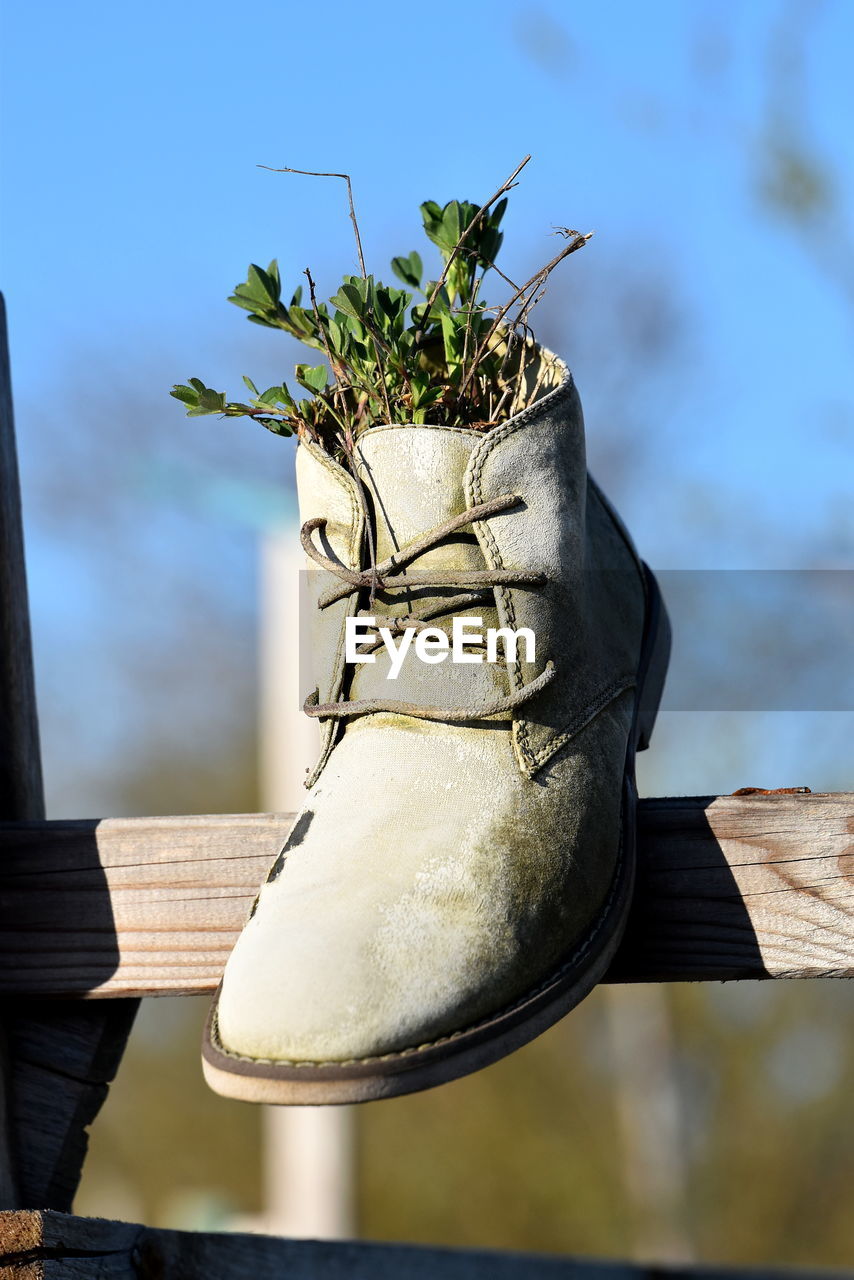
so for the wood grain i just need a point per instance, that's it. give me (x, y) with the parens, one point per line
(45, 1102)
(47, 1246)
(745, 886)
(65, 1056)
(728, 887)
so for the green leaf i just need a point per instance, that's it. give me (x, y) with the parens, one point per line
(451, 224)
(351, 300)
(431, 216)
(277, 426)
(252, 290)
(319, 378)
(392, 301)
(441, 303)
(185, 394)
(261, 285)
(313, 379)
(408, 270)
(247, 303)
(303, 321)
(250, 384)
(198, 384)
(337, 337)
(453, 337)
(212, 401)
(271, 396)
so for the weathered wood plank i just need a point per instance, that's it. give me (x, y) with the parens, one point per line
(10, 1194)
(64, 1062)
(743, 886)
(21, 793)
(44, 1246)
(45, 1106)
(729, 887)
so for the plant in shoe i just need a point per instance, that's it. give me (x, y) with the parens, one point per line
(461, 871)
(450, 358)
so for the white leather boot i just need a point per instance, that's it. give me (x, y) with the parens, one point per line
(461, 872)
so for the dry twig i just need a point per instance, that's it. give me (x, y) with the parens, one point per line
(538, 277)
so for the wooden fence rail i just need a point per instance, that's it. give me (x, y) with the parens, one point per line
(53, 1246)
(729, 887)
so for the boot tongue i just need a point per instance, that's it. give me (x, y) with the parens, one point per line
(415, 476)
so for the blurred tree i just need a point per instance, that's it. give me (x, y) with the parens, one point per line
(798, 181)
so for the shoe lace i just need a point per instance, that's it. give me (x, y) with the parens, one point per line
(391, 575)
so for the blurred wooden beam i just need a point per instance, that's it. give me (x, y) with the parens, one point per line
(21, 793)
(44, 1246)
(728, 887)
(54, 1062)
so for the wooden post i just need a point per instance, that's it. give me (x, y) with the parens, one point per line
(56, 1061)
(308, 1150)
(21, 793)
(650, 1130)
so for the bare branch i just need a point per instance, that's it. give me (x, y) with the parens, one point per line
(505, 186)
(346, 437)
(538, 277)
(310, 173)
(491, 266)
(339, 386)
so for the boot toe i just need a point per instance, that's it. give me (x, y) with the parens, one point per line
(385, 928)
(413, 973)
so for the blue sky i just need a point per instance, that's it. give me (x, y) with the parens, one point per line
(132, 201)
(131, 204)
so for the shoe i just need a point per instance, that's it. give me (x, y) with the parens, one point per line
(461, 872)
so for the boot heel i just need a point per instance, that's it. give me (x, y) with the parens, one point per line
(653, 666)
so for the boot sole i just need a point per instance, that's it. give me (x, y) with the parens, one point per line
(462, 1052)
